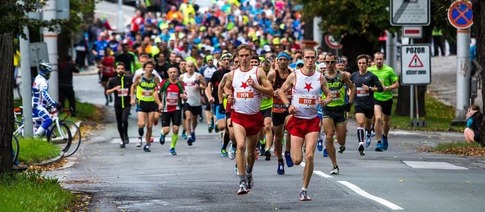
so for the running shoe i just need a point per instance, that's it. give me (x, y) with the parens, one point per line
(379, 147)
(361, 148)
(242, 188)
(146, 148)
(172, 151)
(262, 151)
(267, 154)
(224, 153)
(385, 143)
(249, 180)
(209, 128)
(193, 136)
(304, 196)
(281, 167)
(127, 139)
(335, 170)
(184, 135)
(320, 145)
(162, 139)
(289, 162)
(325, 153)
(232, 153)
(367, 140)
(151, 139)
(122, 144)
(138, 144)
(190, 141)
(341, 149)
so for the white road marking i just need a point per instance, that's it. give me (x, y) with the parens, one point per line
(363, 193)
(118, 140)
(320, 173)
(433, 165)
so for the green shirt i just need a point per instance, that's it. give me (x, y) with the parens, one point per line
(387, 77)
(266, 103)
(145, 89)
(337, 90)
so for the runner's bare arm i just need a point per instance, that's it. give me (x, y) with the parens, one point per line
(289, 82)
(351, 87)
(326, 91)
(208, 90)
(133, 88)
(201, 79)
(220, 90)
(228, 86)
(265, 86)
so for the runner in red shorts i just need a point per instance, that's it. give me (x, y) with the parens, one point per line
(244, 88)
(303, 126)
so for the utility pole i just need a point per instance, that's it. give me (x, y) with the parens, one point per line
(51, 39)
(26, 85)
(121, 28)
(390, 50)
(463, 71)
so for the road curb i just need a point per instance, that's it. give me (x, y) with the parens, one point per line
(50, 161)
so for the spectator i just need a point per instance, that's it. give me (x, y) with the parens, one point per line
(474, 119)
(66, 91)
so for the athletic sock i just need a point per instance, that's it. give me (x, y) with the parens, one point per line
(174, 140)
(226, 141)
(249, 169)
(360, 134)
(141, 132)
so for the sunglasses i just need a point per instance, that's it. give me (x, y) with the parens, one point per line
(331, 62)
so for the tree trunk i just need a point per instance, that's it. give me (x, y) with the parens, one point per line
(403, 99)
(479, 24)
(6, 105)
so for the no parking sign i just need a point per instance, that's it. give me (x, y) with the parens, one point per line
(460, 14)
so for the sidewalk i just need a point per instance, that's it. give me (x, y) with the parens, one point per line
(443, 81)
(90, 70)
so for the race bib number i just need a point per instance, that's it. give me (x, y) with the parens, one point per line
(101, 52)
(278, 106)
(361, 92)
(146, 93)
(335, 95)
(307, 101)
(172, 98)
(123, 92)
(247, 96)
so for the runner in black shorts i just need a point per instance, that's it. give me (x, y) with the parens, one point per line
(366, 84)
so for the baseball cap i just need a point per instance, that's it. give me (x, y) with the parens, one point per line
(267, 48)
(321, 66)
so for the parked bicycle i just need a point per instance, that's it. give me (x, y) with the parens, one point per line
(62, 132)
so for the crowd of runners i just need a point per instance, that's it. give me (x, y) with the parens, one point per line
(241, 67)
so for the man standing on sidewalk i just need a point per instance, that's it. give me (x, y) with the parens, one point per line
(244, 89)
(383, 100)
(120, 85)
(66, 90)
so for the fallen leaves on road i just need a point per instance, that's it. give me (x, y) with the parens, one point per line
(81, 202)
(461, 151)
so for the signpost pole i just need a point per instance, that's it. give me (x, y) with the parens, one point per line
(463, 69)
(411, 96)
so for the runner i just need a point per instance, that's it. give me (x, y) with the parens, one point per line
(279, 113)
(212, 93)
(248, 84)
(144, 85)
(383, 100)
(193, 83)
(171, 92)
(266, 134)
(207, 71)
(335, 112)
(366, 83)
(306, 85)
(120, 86)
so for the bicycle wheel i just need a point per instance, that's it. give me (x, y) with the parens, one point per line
(76, 138)
(61, 136)
(15, 149)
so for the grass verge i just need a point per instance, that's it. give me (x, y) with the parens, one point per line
(30, 191)
(438, 117)
(35, 150)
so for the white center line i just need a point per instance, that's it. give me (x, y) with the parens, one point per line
(363, 193)
(320, 173)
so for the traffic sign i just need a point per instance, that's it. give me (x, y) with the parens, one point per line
(38, 52)
(416, 64)
(412, 31)
(410, 12)
(332, 43)
(460, 14)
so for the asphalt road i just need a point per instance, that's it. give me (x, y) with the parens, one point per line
(198, 179)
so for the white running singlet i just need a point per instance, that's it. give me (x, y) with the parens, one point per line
(246, 99)
(306, 93)
(192, 89)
